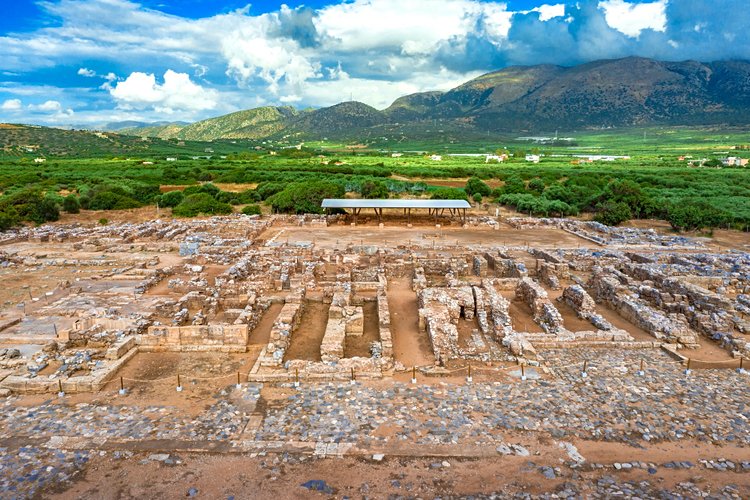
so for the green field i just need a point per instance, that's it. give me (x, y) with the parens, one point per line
(653, 182)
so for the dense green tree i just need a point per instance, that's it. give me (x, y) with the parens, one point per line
(613, 213)
(71, 204)
(251, 210)
(536, 185)
(514, 185)
(8, 219)
(305, 198)
(476, 185)
(448, 193)
(201, 204)
(689, 214)
(374, 190)
(171, 199)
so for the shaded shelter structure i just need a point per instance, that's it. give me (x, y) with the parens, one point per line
(433, 207)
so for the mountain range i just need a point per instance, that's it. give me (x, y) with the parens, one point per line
(625, 92)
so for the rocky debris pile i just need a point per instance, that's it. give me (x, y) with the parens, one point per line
(11, 359)
(584, 306)
(610, 286)
(543, 310)
(606, 235)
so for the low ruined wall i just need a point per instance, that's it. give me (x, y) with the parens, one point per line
(608, 288)
(281, 331)
(542, 309)
(231, 338)
(384, 323)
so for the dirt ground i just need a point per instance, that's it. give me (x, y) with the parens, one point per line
(307, 337)
(151, 378)
(247, 476)
(338, 236)
(410, 346)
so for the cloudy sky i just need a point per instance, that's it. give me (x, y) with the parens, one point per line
(98, 61)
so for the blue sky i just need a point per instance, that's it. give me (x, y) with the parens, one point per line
(77, 62)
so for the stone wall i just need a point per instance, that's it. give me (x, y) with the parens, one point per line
(542, 309)
(227, 338)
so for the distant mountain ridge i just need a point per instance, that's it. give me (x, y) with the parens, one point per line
(633, 91)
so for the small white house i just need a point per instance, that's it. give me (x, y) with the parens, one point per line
(171, 159)
(533, 158)
(436, 158)
(734, 161)
(40, 160)
(396, 155)
(497, 158)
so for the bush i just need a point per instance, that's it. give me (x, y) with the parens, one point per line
(251, 210)
(171, 199)
(71, 204)
(110, 200)
(448, 193)
(613, 214)
(46, 211)
(536, 185)
(475, 185)
(374, 189)
(201, 203)
(267, 189)
(8, 219)
(305, 198)
(103, 221)
(477, 198)
(514, 185)
(692, 214)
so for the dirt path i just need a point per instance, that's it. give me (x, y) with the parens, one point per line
(410, 346)
(307, 337)
(262, 332)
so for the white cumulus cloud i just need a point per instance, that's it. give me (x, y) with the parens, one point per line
(12, 105)
(632, 18)
(87, 72)
(177, 93)
(47, 106)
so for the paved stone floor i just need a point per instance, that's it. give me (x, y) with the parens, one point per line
(48, 442)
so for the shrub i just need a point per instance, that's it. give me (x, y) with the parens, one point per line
(374, 190)
(448, 193)
(110, 200)
(475, 185)
(305, 198)
(201, 203)
(536, 185)
(8, 219)
(71, 204)
(171, 199)
(103, 221)
(613, 213)
(251, 210)
(477, 198)
(692, 214)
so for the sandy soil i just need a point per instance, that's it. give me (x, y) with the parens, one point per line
(307, 337)
(262, 331)
(360, 345)
(151, 378)
(389, 236)
(410, 346)
(246, 476)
